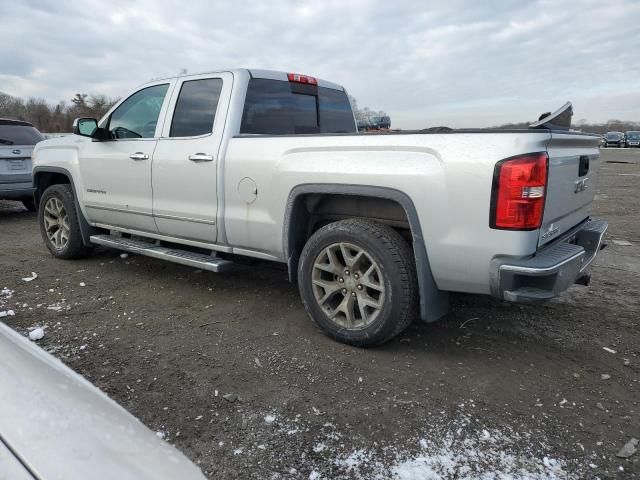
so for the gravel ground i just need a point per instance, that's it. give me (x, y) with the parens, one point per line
(229, 368)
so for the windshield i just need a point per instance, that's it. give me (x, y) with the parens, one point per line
(633, 135)
(613, 136)
(19, 135)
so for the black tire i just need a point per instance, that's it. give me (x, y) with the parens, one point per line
(74, 247)
(29, 204)
(395, 260)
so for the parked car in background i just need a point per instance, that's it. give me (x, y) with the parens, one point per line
(364, 125)
(17, 139)
(614, 139)
(632, 139)
(374, 228)
(384, 122)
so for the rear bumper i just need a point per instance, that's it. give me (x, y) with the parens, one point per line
(17, 190)
(552, 269)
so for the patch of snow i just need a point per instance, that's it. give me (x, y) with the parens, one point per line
(36, 334)
(463, 453)
(8, 313)
(56, 307)
(33, 276)
(238, 451)
(622, 243)
(320, 447)
(161, 434)
(269, 418)
(124, 255)
(82, 284)
(314, 475)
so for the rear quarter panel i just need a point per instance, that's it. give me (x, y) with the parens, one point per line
(447, 176)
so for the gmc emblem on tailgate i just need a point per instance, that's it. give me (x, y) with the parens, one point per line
(580, 185)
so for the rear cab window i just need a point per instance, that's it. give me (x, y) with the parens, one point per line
(13, 133)
(276, 107)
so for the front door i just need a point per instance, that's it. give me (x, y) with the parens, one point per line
(185, 165)
(116, 173)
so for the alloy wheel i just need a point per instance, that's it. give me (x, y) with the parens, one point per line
(348, 285)
(56, 223)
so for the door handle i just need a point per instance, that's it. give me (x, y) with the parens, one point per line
(139, 156)
(201, 157)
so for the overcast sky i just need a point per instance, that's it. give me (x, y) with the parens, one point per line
(455, 63)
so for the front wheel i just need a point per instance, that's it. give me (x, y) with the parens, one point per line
(59, 223)
(358, 282)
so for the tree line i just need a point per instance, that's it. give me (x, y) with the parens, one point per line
(58, 118)
(365, 114)
(49, 118)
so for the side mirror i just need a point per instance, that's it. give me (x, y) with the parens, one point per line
(86, 127)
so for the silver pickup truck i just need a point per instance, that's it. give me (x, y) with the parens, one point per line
(375, 228)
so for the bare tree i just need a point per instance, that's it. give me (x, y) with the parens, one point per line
(54, 118)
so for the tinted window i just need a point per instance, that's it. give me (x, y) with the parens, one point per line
(336, 115)
(137, 116)
(196, 108)
(279, 108)
(19, 135)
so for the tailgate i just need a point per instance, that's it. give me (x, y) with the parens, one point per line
(574, 160)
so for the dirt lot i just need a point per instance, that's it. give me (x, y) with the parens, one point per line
(527, 392)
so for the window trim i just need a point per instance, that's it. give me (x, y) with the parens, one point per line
(161, 115)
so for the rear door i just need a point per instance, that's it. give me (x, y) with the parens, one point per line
(574, 160)
(185, 165)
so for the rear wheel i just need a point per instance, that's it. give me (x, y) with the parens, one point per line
(357, 281)
(59, 223)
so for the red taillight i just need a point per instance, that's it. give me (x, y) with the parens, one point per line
(297, 78)
(519, 187)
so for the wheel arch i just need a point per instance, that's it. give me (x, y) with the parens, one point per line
(44, 177)
(434, 303)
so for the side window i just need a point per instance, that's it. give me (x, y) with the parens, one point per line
(137, 116)
(196, 108)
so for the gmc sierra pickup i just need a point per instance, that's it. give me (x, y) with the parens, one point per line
(374, 228)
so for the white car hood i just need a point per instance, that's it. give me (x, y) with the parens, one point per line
(59, 426)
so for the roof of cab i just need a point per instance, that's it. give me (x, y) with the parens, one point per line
(19, 123)
(257, 73)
